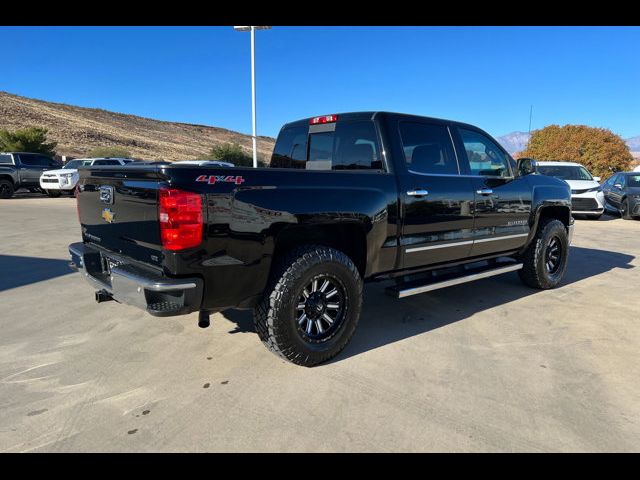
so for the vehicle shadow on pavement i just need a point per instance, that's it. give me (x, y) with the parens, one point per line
(19, 271)
(386, 320)
(25, 195)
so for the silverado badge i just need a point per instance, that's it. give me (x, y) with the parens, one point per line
(108, 215)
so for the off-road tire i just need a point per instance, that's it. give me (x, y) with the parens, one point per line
(275, 316)
(6, 189)
(534, 272)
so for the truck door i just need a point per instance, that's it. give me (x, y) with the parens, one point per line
(32, 165)
(437, 217)
(502, 203)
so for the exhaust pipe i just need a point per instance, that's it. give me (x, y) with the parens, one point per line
(103, 296)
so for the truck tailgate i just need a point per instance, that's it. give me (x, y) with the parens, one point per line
(118, 210)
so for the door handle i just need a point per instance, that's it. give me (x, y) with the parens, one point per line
(417, 193)
(485, 191)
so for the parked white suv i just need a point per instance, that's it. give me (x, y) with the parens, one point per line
(55, 182)
(587, 198)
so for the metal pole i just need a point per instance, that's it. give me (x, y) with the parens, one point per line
(530, 116)
(253, 95)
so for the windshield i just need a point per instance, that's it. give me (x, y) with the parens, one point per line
(633, 180)
(565, 172)
(77, 163)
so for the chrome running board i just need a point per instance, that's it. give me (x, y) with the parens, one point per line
(406, 290)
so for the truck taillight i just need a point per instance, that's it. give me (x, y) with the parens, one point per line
(180, 215)
(323, 119)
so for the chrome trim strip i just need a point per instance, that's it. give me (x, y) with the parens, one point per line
(455, 175)
(456, 281)
(504, 237)
(466, 242)
(432, 247)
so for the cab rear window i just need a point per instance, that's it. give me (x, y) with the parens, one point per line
(351, 146)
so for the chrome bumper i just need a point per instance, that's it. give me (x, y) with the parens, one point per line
(127, 283)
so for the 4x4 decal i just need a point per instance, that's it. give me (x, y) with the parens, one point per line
(212, 179)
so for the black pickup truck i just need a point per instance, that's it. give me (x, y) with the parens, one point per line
(23, 170)
(348, 198)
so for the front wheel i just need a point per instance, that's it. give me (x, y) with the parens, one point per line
(53, 193)
(6, 189)
(545, 260)
(312, 306)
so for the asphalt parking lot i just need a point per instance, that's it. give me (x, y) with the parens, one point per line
(486, 366)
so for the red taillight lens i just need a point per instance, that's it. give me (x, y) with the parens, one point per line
(180, 215)
(323, 119)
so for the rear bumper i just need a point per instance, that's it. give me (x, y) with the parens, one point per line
(127, 283)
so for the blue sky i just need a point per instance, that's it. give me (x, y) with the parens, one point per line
(488, 76)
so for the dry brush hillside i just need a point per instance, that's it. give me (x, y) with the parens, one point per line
(78, 130)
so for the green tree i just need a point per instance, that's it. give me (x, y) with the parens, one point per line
(31, 139)
(600, 150)
(233, 153)
(119, 152)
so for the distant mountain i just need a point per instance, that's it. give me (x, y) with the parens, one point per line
(517, 141)
(514, 142)
(78, 130)
(634, 143)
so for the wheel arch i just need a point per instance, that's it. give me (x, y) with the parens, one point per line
(556, 210)
(5, 176)
(349, 238)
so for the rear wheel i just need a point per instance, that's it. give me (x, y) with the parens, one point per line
(545, 260)
(6, 189)
(53, 193)
(312, 306)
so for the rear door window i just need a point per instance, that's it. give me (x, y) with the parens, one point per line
(428, 149)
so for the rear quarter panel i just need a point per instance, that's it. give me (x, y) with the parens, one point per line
(245, 218)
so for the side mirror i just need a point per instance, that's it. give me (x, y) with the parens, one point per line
(527, 166)
(597, 179)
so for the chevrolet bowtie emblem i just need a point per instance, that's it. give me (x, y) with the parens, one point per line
(108, 215)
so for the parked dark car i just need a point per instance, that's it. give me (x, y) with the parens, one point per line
(23, 170)
(622, 194)
(349, 198)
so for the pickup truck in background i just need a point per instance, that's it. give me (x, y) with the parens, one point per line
(348, 198)
(22, 170)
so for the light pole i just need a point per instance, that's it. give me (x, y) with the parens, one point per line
(253, 29)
